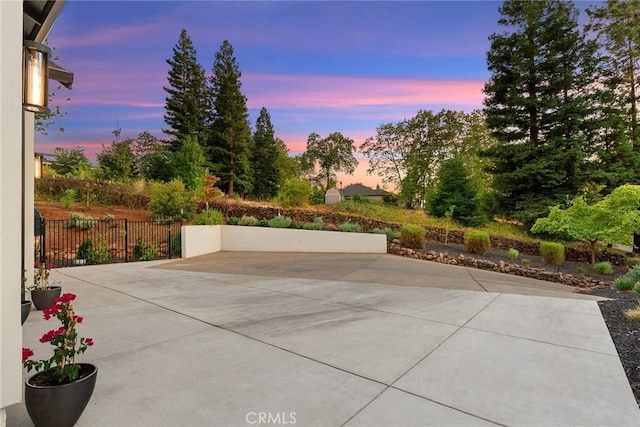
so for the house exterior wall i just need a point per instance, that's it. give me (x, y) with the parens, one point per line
(10, 202)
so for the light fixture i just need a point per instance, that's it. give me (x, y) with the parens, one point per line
(35, 76)
(37, 166)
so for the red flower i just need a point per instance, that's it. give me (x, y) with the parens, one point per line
(52, 265)
(51, 311)
(78, 319)
(47, 337)
(68, 297)
(26, 353)
(88, 341)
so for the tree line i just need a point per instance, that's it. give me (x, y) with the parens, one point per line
(560, 120)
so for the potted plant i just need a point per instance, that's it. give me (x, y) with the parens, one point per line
(85, 251)
(43, 293)
(59, 392)
(25, 304)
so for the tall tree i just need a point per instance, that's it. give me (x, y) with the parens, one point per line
(407, 154)
(264, 154)
(616, 141)
(332, 154)
(541, 70)
(70, 162)
(186, 109)
(188, 163)
(229, 135)
(117, 162)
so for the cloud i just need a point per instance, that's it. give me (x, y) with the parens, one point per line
(339, 92)
(110, 35)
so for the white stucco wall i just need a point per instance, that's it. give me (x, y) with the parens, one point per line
(10, 201)
(201, 239)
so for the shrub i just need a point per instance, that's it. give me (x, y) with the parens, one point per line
(476, 242)
(85, 249)
(350, 227)
(636, 288)
(233, 220)
(79, 221)
(603, 268)
(108, 217)
(526, 262)
(552, 253)
(632, 314)
(627, 281)
(389, 233)
(262, 223)
(280, 222)
(317, 224)
(357, 198)
(248, 220)
(145, 251)
(210, 217)
(412, 236)
(513, 254)
(68, 198)
(175, 246)
(632, 262)
(294, 192)
(582, 270)
(170, 201)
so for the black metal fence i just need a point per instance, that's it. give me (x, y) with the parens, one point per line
(79, 241)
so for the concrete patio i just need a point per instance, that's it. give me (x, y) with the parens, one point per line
(330, 339)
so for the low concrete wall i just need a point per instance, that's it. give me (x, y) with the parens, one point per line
(201, 239)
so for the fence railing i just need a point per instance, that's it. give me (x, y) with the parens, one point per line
(82, 241)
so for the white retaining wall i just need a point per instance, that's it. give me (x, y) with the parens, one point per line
(204, 239)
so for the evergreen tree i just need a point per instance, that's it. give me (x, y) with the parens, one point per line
(229, 134)
(456, 192)
(616, 140)
(188, 163)
(537, 97)
(264, 154)
(186, 110)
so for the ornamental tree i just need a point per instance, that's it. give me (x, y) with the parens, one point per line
(612, 220)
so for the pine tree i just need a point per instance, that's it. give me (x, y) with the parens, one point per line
(536, 99)
(263, 158)
(186, 110)
(456, 192)
(617, 140)
(229, 134)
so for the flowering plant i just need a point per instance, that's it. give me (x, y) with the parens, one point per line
(62, 364)
(41, 277)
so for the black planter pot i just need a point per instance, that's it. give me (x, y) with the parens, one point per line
(60, 405)
(44, 298)
(26, 309)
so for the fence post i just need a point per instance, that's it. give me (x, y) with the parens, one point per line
(126, 240)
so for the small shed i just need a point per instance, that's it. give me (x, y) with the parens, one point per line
(332, 196)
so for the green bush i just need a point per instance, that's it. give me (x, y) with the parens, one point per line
(513, 254)
(170, 201)
(248, 220)
(80, 221)
(627, 281)
(582, 270)
(476, 242)
(357, 198)
(175, 246)
(85, 249)
(552, 253)
(108, 217)
(412, 236)
(294, 192)
(317, 224)
(233, 220)
(350, 227)
(145, 251)
(68, 198)
(262, 223)
(632, 262)
(636, 288)
(603, 268)
(389, 232)
(210, 217)
(280, 222)
(526, 262)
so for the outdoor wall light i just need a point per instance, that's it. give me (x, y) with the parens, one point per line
(35, 77)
